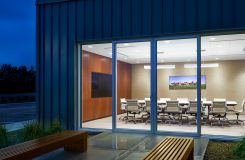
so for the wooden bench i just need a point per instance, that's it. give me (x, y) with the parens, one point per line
(69, 140)
(173, 148)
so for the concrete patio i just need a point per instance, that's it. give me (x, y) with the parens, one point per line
(120, 146)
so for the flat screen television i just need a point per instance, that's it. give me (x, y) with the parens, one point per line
(101, 85)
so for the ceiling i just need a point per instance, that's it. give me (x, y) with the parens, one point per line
(214, 48)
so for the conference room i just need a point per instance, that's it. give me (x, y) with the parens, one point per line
(221, 85)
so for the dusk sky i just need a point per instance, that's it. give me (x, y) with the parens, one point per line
(17, 32)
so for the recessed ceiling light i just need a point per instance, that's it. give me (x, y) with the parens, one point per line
(110, 53)
(167, 42)
(217, 58)
(90, 46)
(125, 44)
(212, 38)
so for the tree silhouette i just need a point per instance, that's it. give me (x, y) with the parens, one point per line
(17, 79)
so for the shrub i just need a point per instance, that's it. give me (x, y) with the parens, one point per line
(31, 130)
(55, 127)
(240, 149)
(3, 136)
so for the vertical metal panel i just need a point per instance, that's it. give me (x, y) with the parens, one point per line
(126, 19)
(239, 13)
(98, 19)
(89, 15)
(47, 67)
(55, 63)
(81, 20)
(157, 17)
(228, 14)
(117, 19)
(179, 16)
(63, 66)
(168, 16)
(71, 65)
(136, 17)
(203, 14)
(190, 15)
(146, 17)
(107, 14)
(215, 13)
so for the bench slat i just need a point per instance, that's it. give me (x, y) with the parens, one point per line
(174, 151)
(186, 151)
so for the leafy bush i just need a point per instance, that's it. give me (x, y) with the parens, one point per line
(240, 149)
(31, 130)
(55, 127)
(3, 136)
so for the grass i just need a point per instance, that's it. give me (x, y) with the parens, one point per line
(203, 86)
(221, 151)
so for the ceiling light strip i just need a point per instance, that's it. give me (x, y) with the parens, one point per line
(206, 65)
(160, 66)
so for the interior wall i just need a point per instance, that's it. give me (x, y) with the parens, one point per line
(94, 108)
(226, 81)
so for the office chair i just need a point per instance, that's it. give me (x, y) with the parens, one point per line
(133, 108)
(239, 112)
(218, 111)
(123, 108)
(173, 110)
(147, 109)
(192, 111)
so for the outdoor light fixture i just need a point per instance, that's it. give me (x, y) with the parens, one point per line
(207, 65)
(160, 66)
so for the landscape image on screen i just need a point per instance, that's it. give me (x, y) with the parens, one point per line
(186, 82)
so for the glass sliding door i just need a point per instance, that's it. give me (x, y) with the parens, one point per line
(177, 85)
(223, 62)
(133, 103)
(96, 86)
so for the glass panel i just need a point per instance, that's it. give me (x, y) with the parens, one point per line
(97, 86)
(223, 59)
(133, 85)
(177, 85)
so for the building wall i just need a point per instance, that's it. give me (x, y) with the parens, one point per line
(61, 24)
(226, 81)
(95, 108)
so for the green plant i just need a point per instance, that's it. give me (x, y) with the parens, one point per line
(31, 130)
(55, 127)
(3, 136)
(240, 149)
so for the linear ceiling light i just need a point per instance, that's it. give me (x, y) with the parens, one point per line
(160, 66)
(206, 65)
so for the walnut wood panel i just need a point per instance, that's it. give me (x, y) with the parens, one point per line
(95, 108)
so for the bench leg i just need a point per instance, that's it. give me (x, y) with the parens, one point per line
(191, 155)
(80, 146)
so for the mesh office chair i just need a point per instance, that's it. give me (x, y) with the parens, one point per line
(219, 110)
(133, 108)
(192, 110)
(123, 108)
(238, 112)
(147, 109)
(173, 110)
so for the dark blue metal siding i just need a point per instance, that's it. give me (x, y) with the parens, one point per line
(62, 23)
